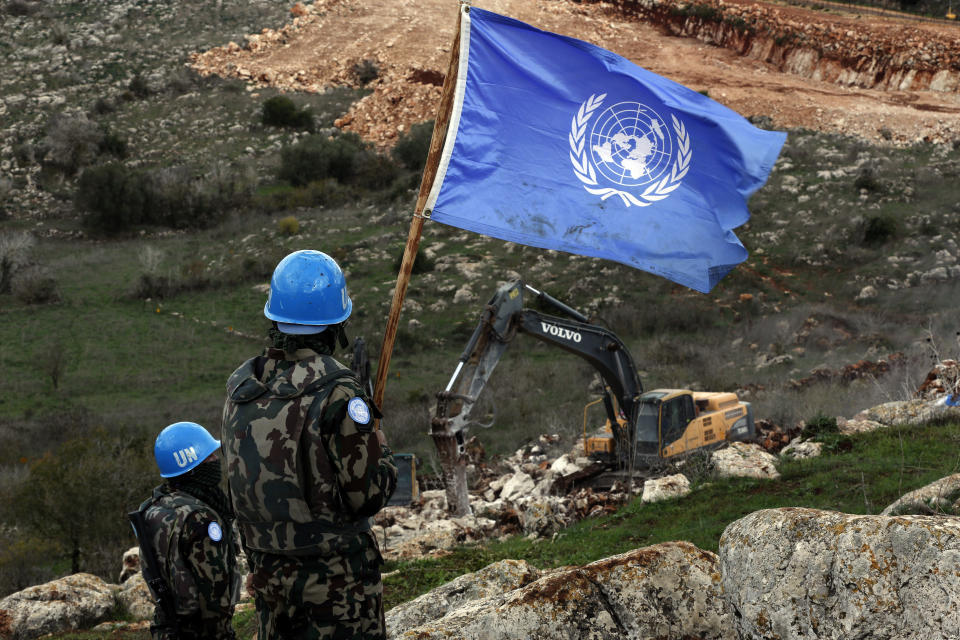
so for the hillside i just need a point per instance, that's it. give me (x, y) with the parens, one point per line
(877, 77)
(109, 333)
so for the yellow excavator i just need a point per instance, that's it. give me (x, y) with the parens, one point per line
(683, 420)
(642, 428)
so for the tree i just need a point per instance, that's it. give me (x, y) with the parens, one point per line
(78, 496)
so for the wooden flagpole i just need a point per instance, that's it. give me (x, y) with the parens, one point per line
(416, 224)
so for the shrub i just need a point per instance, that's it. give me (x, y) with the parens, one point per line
(823, 428)
(115, 198)
(71, 142)
(412, 147)
(138, 87)
(111, 196)
(318, 157)
(878, 229)
(103, 106)
(77, 495)
(867, 180)
(24, 560)
(34, 285)
(15, 250)
(365, 72)
(22, 8)
(344, 158)
(281, 111)
(421, 263)
(288, 226)
(113, 144)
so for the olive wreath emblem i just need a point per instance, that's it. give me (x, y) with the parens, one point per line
(584, 170)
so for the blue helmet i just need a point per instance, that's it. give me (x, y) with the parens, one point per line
(308, 288)
(182, 446)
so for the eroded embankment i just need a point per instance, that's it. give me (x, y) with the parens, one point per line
(845, 51)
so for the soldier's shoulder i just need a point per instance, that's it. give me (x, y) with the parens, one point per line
(202, 521)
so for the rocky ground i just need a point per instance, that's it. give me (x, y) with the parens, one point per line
(878, 77)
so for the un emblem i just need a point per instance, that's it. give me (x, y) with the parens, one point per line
(630, 151)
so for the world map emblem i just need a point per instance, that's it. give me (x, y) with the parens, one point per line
(628, 150)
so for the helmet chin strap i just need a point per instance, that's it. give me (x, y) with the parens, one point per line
(342, 336)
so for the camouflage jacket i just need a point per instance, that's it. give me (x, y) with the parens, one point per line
(304, 466)
(196, 552)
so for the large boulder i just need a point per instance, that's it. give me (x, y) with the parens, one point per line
(134, 596)
(494, 579)
(77, 601)
(744, 460)
(939, 495)
(669, 591)
(907, 412)
(805, 573)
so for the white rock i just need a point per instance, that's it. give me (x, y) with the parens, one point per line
(933, 495)
(666, 488)
(669, 590)
(519, 485)
(805, 573)
(744, 460)
(76, 601)
(800, 450)
(564, 466)
(135, 597)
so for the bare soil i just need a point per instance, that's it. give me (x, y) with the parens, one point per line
(409, 42)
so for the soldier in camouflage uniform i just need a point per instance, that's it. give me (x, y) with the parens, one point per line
(187, 546)
(305, 467)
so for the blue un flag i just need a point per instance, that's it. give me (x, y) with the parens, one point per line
(559, 144)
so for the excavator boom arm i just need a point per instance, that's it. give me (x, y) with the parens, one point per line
(502, 318)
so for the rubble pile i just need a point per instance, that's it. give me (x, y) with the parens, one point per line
(944, 378)
(773, 437)
(533, 496)
(849, 373)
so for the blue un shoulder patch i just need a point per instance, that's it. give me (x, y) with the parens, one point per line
(358, 411)
(214, 531)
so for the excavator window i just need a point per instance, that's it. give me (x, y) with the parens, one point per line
(675, 416)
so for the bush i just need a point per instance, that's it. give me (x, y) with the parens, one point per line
(71, 142)
(34, 285)
(15, 247)
(288, 226)
(112, 197)
(113, 144)
(823, 428)
(138, 87)
(413, 146)
(22, 8)
(421, 263)
(365, 72)
(879, 229)
(77, 496)
(867, 180)
(103, 106)
(280, 111)
(115, 198)
(344, 158)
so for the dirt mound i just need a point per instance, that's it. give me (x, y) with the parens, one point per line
(878, 77)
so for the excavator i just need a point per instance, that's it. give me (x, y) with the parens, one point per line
(642, 428)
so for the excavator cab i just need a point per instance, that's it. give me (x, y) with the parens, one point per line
(672, 422)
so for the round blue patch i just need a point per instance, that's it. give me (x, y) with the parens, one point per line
(215, 532)
(358, 411)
